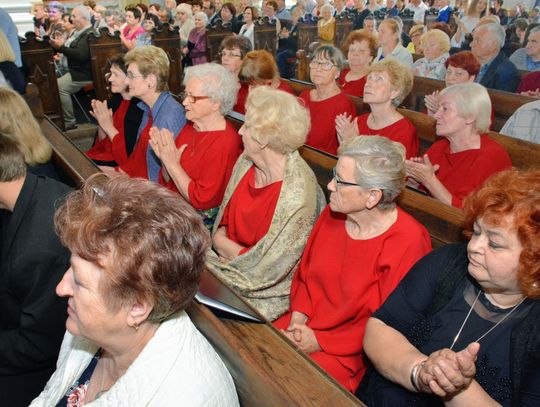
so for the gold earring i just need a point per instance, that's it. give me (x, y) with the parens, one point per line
(136, 326)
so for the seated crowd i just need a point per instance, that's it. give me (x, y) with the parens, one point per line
(94, 305)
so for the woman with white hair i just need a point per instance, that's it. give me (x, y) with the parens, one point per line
(270, 206)
(326, 26)
(435, 45)
(459, 163)
(195, 50)
(184, 19)
(361, 247)
(198, 165)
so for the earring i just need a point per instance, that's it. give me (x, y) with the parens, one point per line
(136, 326)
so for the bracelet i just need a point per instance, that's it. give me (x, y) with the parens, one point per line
(414, 375)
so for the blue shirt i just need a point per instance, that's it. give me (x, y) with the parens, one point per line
(167, 113)
(532, 65)
(10, 30)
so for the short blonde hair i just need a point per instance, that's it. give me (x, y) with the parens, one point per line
(379, 164)
(151, 60)
(441, 37)
(18, 123)
(186, 9)
(6, 51)
(277, 119)
(415, 28)
(401, 77)
(472, 101)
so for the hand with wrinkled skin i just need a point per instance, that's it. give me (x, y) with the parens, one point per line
(346, 128)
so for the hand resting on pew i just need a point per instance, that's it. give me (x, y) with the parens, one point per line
(302, 336)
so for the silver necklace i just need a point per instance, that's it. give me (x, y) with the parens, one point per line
(490, 329)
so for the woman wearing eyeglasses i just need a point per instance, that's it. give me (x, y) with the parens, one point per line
(259, 68)
(388, 83)
(232, 50)
(327, 100)
(199, 163)
(120, 115)
(270, 206)
(360, 248)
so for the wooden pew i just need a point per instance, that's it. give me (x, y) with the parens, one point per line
(344, 25)
(37, 57)
(103, 46)
(168, 39)
(265, 35)
(214, 36)
(504, 103)
(307, 34)
(266, 368)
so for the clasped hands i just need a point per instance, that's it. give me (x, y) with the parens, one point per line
(446, 373)
(163, 144)
(302, 336)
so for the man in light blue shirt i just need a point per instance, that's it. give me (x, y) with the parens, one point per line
(283, 13)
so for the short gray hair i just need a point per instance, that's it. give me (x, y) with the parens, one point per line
(201, 14)
(330, 53)
(83, 11)
(496, 32)
(472, 101)
(379, 163)
(329, 7)
(219, 84)
(185, 8)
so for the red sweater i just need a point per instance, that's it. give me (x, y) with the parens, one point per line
(463, 172)
(208, 160)
(402, 131)
(354, 88)
(340, 282)
(322, 134)
(250, 210)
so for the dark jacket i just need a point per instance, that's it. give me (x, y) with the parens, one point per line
(32, 316)
(501, 74)
(78, 56)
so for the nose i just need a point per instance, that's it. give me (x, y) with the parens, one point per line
(63, 289)
(332, 186)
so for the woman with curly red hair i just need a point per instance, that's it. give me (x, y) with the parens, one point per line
(463, 324)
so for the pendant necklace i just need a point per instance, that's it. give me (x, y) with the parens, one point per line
(490, 329)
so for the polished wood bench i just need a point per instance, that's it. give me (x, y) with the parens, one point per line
(266, 368)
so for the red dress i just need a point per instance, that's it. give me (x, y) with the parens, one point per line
(250, 210)
(354, 88)
(208, 160)
(402, 131)
(340, 282)
(135, 166)
(243, 93)
(102, 150)
(463, 172)
(322, 134)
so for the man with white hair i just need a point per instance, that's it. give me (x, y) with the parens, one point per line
(78, 57)
(496, 72)
(528, 57)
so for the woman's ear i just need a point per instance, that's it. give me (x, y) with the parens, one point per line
(138, 313)
(375, 196)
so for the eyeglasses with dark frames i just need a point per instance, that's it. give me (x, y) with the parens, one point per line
(339, 181)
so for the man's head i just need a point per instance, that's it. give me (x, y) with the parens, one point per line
(488, 39)
(80, 17)
(208, 8)
(533, 44)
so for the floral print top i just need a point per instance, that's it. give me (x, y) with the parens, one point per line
(76, 393)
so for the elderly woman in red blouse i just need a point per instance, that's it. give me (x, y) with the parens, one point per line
(270, 206)
(327, 100)
(460, 163)
(388, 83)
(360, 47)
(360, 248)
(199, 163)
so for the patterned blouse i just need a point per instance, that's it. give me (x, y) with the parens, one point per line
(76, 393)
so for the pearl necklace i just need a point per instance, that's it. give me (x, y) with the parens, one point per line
(490, 329)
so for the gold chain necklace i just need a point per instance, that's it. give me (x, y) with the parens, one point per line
(490, 329)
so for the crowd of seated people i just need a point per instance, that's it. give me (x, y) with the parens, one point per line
(248, 207)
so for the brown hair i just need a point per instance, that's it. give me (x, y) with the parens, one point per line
(359, 36)
(150, 243)
(515, 194)
(236, 41)
(258, 67)
(12, 166)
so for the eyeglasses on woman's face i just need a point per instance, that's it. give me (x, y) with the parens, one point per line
(230, 54)
(324, 65)
(192, 98)
(339, 181)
